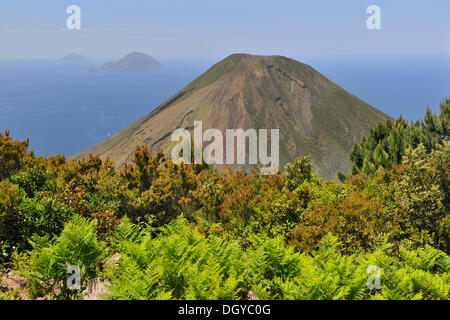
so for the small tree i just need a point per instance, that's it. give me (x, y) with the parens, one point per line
(297, 172)
(12, 155)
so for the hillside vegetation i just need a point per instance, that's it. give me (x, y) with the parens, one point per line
(158, 230)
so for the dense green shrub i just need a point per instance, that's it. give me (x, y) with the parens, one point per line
(32, 180)
(45, 266)
(13, 155)
(181, 263)
(190, 232)
(389, 140)
(358, 219)
(298, 172)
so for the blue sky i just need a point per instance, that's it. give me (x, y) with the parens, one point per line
(201, 28)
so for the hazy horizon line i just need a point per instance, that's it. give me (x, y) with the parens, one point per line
(173, 57)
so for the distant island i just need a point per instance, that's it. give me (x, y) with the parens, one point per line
(74, 57)
(135, 61)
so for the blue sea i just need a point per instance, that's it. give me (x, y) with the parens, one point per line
(63, 109)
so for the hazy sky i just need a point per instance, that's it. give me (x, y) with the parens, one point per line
(209, 28)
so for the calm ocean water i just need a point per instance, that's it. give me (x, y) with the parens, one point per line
(63, 109)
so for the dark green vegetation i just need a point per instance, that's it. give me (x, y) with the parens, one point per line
(315, 116)
(389, 140)
(157, 230)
